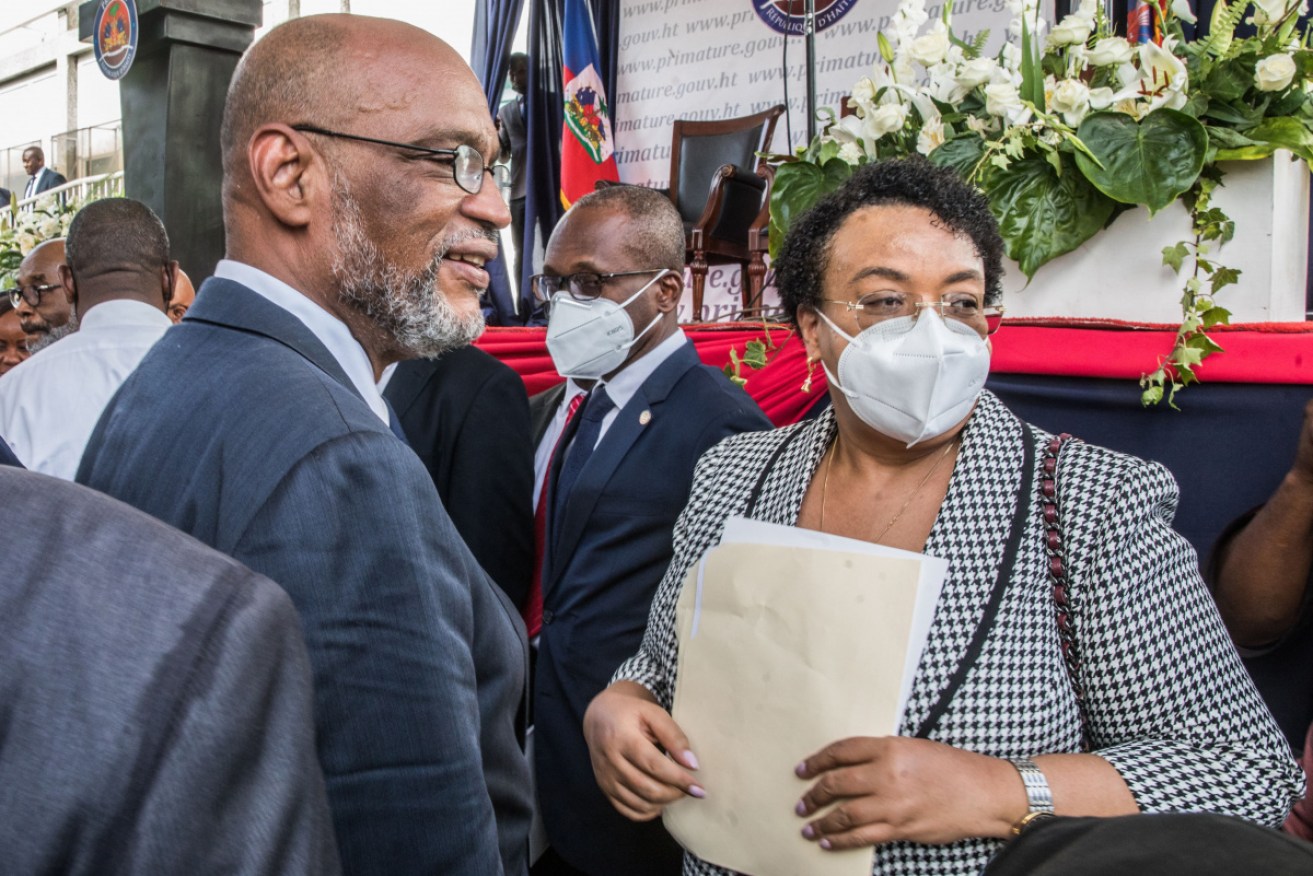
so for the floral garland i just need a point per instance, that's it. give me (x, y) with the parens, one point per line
(1065, 130)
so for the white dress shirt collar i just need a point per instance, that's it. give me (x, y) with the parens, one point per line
(331, 331)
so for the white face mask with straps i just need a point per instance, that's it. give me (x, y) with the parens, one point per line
(911, 378)
(589, 339)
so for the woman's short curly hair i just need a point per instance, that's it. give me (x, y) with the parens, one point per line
(957, 206)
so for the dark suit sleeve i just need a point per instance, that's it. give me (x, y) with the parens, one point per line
(356, 535)
(238, 784)
(490, 494)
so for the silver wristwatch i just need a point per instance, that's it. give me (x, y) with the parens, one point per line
(1039, 797)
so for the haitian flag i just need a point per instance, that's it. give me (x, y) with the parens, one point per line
(587, 150)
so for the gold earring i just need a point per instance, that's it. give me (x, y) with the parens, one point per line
(811, 370)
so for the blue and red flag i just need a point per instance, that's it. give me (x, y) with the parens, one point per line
(587, 147)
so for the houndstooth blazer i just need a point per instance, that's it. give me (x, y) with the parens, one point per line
(1169, 704)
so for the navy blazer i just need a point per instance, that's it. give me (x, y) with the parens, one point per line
(467, 417)
(598, 584)
(270, 455)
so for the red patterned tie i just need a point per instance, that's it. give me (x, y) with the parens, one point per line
(533, 609)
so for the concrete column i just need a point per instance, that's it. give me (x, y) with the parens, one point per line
(172, 102)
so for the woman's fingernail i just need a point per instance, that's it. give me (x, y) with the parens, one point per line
(809, 832)
(801, 769)
(801, 808)
(696, 791)
(825, 844)
(690, 760)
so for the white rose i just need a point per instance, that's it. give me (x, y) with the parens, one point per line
(976, 72)
(1071, 97)
(850, 152)
(885, 120)
(26, 242)
(1274, 72)
(1072, 30)
(1002, 98)
(863, 92)
(1111, 50)
(931, 48)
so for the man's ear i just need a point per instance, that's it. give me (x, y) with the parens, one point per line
(169, 281)
(286, 172)
(70, 285)
(670, 289)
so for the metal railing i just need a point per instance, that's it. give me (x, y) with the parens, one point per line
(82, 189)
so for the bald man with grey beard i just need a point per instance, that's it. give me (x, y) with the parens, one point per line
(360, 206)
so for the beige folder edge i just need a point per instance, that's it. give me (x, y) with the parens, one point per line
(790, 639)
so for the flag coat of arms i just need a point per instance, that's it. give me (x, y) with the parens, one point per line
(587, 147)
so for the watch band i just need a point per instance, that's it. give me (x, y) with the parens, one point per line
(1039, 797)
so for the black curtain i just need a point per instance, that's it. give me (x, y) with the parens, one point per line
(545, 105)
(495, 22)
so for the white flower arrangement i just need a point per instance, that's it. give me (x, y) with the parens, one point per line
(1080, 123)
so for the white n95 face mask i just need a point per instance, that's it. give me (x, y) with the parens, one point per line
(912, 378)
(589, 339)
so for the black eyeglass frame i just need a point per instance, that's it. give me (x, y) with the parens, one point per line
(18, 294)
(568, 281)
(501, 173)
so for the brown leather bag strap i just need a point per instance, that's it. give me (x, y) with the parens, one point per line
(1054, 547)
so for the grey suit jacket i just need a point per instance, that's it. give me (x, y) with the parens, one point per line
(155, 700)
(271, 456)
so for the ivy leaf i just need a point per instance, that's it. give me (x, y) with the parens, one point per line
(1215, 316)
(1149, 162)
(754, 354)
(1188, 357)
(1223, 277)
(1173, 256)
(1043, 215)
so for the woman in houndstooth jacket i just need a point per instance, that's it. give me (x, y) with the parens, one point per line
(1150, 712)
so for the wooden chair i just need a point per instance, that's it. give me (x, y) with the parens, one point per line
(719, 187)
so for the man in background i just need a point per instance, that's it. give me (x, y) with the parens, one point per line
(359, 207)
(119, 278)
(618, 467)
(13, 340)
(184, 295)
(514, 136)
(156, 709)
(39, 177)
(44, 307)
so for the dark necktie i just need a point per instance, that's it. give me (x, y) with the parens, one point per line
(579, 451)
(31, 184)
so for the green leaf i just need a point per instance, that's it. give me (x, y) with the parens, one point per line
(799, 185)
(1229, 80)
(1216, 316)
(1223, 277)
(1187, 356)
(754, 354)
(1286, 133)
(1148, 162)
(1173, 256)
(1043, 215)
(961, 153)
(1032, 73)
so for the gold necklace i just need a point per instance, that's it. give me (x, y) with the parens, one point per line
(825, 485)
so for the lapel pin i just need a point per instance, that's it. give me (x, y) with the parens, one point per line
(644, 418)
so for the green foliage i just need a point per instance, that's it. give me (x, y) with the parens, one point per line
(1149, 162)
(798, 185)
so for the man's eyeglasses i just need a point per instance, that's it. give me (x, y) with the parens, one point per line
(467, 163)
(583, 286)
(962, 307)
(30, 294)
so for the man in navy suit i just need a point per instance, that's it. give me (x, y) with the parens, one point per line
(39, 177)
(619, 476)
(359, 209)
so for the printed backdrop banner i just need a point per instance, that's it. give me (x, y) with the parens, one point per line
(718, 59)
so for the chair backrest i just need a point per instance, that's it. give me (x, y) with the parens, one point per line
(700, 148)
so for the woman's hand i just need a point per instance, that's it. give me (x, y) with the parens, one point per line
(897, 788)
(626, 731)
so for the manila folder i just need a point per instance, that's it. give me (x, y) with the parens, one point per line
(782, 651)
